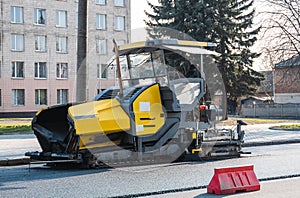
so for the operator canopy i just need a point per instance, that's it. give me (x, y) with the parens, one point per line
(169, 59)
(191, 47)
(176, 64)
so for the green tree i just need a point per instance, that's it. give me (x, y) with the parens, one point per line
(229, 23)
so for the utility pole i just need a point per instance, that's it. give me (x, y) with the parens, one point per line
(81, 80)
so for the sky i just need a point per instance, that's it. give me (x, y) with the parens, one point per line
(137, 12)
(138, 16)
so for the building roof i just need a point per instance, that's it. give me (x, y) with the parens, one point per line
(262, 99)
(252, 100)
(292, 62)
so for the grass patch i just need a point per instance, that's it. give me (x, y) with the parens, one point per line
(292, 127)
(250, 121)
(15, 119)
(15, 128)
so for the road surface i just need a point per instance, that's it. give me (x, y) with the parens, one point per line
(40, 181)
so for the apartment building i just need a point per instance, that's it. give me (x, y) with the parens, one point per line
(38, 47)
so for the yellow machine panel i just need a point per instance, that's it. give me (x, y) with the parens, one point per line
(148, 111)
(104, 116)
(90, 141)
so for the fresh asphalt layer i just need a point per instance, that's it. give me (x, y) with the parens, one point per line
(269, 162)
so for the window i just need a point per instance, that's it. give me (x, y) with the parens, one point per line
(61, 18)
(101, 2)
(39, 16)
(16, 14)
(62, 70)
(101, 21)
(18, 97)
(41, 96)
(40, 70)
(119, 3)
(121, 42)
(61, 44)
(102, 71)
(101, 46)
(119, 23)
(40, 43)
(62, 96)
(17, 42)
(17, 69)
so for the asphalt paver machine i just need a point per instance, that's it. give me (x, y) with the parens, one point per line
(158, 113)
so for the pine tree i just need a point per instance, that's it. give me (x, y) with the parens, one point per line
(225, 22)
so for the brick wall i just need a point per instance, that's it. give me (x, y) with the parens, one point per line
(287, 80)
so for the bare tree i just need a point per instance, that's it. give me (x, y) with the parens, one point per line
(280, 30)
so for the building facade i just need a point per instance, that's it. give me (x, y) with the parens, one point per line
(287, 80)
(38, 43)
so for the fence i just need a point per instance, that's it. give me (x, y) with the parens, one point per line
(271, 110)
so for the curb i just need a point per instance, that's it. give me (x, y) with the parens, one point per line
(16, 133)
(276, 142)
(281, 129)
(14, 161)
